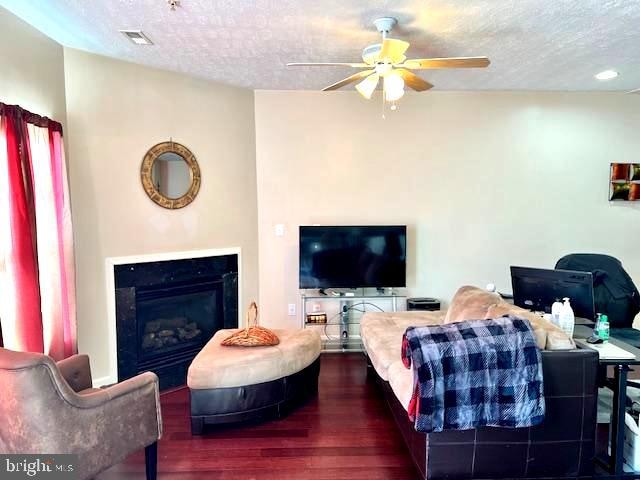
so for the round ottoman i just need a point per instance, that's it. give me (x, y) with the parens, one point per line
(235, 384)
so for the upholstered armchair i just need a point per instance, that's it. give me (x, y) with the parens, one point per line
(48, 407)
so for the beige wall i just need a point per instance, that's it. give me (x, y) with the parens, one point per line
(31, 69)
(116, 111)
(483, 181)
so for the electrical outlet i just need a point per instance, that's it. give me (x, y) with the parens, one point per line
(292, 309)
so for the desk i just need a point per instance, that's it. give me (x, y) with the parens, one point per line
(619, 386)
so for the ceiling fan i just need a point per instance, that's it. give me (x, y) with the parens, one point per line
(386, 60)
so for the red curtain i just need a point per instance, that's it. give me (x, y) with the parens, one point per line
(37, 310)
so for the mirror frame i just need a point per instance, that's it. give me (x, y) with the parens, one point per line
(147, 167)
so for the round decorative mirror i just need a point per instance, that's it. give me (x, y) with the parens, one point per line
(170, 175)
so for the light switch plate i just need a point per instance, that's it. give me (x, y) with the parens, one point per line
(279, 230)
(292, 309)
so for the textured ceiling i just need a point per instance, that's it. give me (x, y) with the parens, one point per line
(532, 44)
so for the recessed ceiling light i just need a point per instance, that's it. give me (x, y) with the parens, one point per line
(606, 75)
(137, 37)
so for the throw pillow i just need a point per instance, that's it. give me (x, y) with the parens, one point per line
(470, 303)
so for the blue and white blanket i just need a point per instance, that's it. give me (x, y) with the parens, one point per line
(474, 373)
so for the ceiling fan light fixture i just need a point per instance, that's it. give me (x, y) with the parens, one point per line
(367, 86)
(393, 87)
(383, 69)
(606, 75)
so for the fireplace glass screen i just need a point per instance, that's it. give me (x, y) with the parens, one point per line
(174, 319)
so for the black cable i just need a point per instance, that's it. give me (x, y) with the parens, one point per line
(329, 323)
(349, 308)
(373, 305)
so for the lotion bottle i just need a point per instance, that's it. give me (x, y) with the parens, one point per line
(567, 318)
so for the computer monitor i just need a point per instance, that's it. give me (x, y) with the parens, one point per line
(537, 288)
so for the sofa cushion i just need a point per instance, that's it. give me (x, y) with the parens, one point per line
(383, 355)
(471, 303)
(548, 335)
(401, 382)
(381, 335)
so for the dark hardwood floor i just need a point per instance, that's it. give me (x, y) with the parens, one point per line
(346, 432)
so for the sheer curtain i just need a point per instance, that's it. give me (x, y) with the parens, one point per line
(37, 277)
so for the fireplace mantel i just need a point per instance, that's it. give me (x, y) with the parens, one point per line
(112, 262)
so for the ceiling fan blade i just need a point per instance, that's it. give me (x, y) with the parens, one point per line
(412, 80)
(328, 64)
(393, 50)
(367, 86)
(637, 90)
(454, 62)
(350, 79)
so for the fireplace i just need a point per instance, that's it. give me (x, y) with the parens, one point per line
(166, 311)
(175, 318)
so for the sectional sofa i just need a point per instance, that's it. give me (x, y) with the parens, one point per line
(561, 447)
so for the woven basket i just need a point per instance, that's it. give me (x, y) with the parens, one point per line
(254, 335)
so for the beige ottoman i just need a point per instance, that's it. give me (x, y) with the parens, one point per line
(234, 384)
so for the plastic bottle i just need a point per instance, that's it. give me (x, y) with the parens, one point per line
(555, 312)
(596, 327)
(567, 317)
(603, 329)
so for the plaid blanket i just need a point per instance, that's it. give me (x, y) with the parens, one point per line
(474, 373)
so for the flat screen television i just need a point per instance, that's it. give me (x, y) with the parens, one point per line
(353, 256)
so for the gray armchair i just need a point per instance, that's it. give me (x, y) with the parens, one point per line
(49, 407)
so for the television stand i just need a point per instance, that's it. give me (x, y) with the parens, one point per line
(340, 330)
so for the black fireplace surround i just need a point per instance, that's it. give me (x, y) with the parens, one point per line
(166, 311)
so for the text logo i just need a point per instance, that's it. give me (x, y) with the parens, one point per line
(49, 467)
